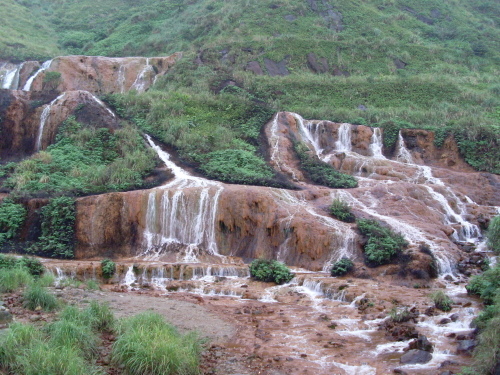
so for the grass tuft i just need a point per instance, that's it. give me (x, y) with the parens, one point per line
(37, 296)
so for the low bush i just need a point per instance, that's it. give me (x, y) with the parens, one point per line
(47, 279)
(322, 173)
(92, 285)
(37, 296)
(485, 285)
(382, 244)
(34, 266)
(441, 300)
(400, 315)
(12, 216)
(13, 279)
(493, 234)
(146, 344)
(270, 271)
(342, 211)
(342, 267)
(108, 268)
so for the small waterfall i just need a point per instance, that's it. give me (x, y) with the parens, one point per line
(44, 67)
(309, 133)
(98, 101)
(343, 144)
(403, 154)
(43, 120)
(11, 78)
(376, 144)
(142, 78)
(129, 277)
(121, 78)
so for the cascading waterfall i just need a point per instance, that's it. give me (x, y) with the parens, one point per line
(309, 133)
(140, 82)
(99, 101)
(343, 143)
(43, 120)
(44, 67)
(11, 78)
(403, 154)
(181, 213)
(121, 78)
(376, 144)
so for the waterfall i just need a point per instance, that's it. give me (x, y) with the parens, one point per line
(43, 120)
(343, 144)
(403, 154)
(141, 79)
(309, 133)
(181, 213)
(44, 67)
(376, 144)
(98, 101)
(121, 78)
(11, 78)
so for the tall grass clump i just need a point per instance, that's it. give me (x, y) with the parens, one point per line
(37, 296)
(485, 285)
(73, 334)
(441, 300)
(342, 211)
(148, 345)
(493, 234)
(14, 279)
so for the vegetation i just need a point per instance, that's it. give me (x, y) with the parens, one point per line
(270, 271)
(342, 211)
(32, 265)
(441, 300)
(493, 234)
(13, 279)
(487, 352)
(148, 345)
(400, 315)
(12, 216)
(36, 296)
(108, 268)
(58, 221)
(342, 267)
(382, 244)
(322, 173)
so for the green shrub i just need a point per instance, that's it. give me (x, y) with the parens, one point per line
(322, 173)
(108, 268)
(34, 266)
(485, 285)
(47, 279)
(100, 316)
(342, 267)
(37, 296)
(146, 344)
(342, 211)
(270, 271)
(382, 244)
(14, 278)
(92, 285)
(441, 300)
(493, 234)
(58, 221)
(8, 261)
(74, 335)
(400, 315)
(12, 216)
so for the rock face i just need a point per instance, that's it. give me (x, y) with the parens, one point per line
(101, 75)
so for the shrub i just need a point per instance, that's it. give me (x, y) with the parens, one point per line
(148, 345)
(342, 267)
(47, 279)
(485, 285)
(12, 216)
(100, 316)
(37, 296)
(270, 271)
(322, 173)
(13, 279)
(382, 243)
(399, 315)
(493, 234)
(92, 285)
(34, 266)
(108, 268)
(441, 300)
(342, 211)
(73, 334)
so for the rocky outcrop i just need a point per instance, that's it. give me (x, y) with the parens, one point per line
(101, 75)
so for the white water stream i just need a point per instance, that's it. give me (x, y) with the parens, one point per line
(44, 67)
(43, 120)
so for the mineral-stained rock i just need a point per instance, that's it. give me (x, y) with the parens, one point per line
(415, 356)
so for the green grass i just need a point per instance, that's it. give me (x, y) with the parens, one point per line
(342, 211)
(36, 296)
(441, 300)
(148, 345)
(14, 279)
(493, 234)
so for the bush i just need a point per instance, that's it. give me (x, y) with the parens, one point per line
(342, 267)
(270, 271)
(399, 315)
(485, 285)
(322, 173)
(34, 266)
(108, 268)
(146, 344)
(342, 211)
(382, 244)
(37, 296)
(441, 300)
(493, 234)
(13, 279)
(12, 216)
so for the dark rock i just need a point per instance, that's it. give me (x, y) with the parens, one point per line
(496, 370)
(421, 343)
(316, 66)
(466, 346)
(362, 107)
(415, 356)
(400, 64)
(430, 311)
(5, 317)
(276, 68)
(254, 66)
(290, 17)
(399, 371)
(340, 71)
(446, 373)
(445, 321)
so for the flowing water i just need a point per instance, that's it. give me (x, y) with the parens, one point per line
(43, 120)
(143, 78)
(10, 79)
(43, 68)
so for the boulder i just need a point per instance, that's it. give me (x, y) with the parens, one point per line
(415, 356)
